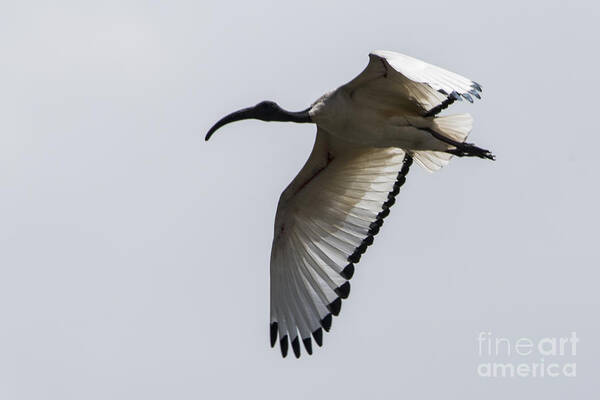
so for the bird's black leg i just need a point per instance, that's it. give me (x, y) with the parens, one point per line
(463, 149)
(470, 150)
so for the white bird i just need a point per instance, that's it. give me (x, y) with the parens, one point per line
(368, 133)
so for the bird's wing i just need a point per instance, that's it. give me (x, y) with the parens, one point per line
(395, 81)
(325, 220)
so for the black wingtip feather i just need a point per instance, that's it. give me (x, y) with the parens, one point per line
(384, 213)
(361, 248)
(373, 230)
(335, 306)
(376, 224)
(402, 178)
(283, 344)
(296, 347)
(348, 271)
(273, 333)
(307, 345)
(474, 93)
(318, 336)
(390, 202)
(326, 322)
(343, 291)
(354, 257)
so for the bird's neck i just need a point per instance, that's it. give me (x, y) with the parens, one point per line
(294, 116)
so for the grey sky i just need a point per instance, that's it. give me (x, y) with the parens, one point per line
(134, 256)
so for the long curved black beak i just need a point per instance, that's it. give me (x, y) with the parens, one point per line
(244, 113)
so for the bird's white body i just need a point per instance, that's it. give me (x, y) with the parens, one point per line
(368, 133)
(362, 123)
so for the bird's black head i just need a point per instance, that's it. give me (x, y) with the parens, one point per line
(264, 111)
(268, 111)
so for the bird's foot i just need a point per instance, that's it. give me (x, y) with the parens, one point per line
(470, 150)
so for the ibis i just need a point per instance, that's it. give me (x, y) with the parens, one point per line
(369, 132)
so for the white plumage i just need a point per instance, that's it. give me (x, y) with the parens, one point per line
(368, 133)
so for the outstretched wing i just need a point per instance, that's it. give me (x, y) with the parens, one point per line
(392, 80)
(325, 220)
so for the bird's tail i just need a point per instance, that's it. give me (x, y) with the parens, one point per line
(455, 127)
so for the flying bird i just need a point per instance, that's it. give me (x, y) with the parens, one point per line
(369, 131)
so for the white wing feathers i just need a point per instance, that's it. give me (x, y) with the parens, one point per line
(396, 80)
(326, 219)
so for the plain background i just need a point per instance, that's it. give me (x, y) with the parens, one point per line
(134, 256)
